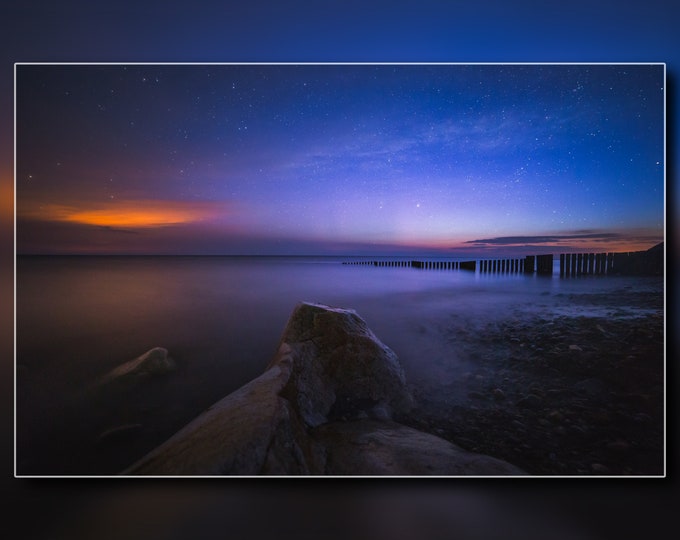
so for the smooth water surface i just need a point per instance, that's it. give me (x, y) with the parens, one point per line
(220, 319)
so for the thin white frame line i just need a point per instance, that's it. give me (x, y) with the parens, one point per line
(413, 64)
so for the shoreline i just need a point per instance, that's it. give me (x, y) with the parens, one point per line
(457, 346)
(558, 396)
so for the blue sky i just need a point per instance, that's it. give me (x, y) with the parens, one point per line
(339, 158)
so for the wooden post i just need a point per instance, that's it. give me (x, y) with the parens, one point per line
(544, 264)
(570, 263)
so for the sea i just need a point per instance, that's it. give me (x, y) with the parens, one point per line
(221, 319)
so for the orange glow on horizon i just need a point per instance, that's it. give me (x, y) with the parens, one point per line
(6, 199)
(129, 213)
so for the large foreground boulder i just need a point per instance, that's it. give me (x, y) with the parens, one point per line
(323, 406)
(338, 366)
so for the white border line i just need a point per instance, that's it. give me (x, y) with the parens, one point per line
(414, 64)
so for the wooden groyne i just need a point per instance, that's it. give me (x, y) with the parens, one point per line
(577, 264)
(423, 265)
(650, 262)
(638, 263)
(528, 264)
(510, 266)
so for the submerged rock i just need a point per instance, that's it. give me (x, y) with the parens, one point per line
(323, 406)
(153, 362)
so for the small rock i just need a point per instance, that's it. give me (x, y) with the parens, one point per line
(642, 418)
(498, 394)
(618, 445)
(555, 416)
(598, 468)
(590, 386)
(575, 348)
(601, 416)
(577, 430)
(118, 433)
(531, 401)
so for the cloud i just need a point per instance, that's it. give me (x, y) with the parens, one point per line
(128, 214)
(546, 239)
(623, 240)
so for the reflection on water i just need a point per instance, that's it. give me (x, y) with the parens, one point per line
(220, 319)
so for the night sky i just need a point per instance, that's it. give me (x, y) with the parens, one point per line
(298, 30)
(339, 159)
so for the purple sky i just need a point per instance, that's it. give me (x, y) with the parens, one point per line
(339, 159)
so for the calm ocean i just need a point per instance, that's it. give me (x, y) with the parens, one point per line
(220, 319)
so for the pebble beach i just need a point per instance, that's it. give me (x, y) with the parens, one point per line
(560, 394)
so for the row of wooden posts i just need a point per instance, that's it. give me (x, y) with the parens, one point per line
(571, 264)
(574, 264)
(541, 264)
(650, 262)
